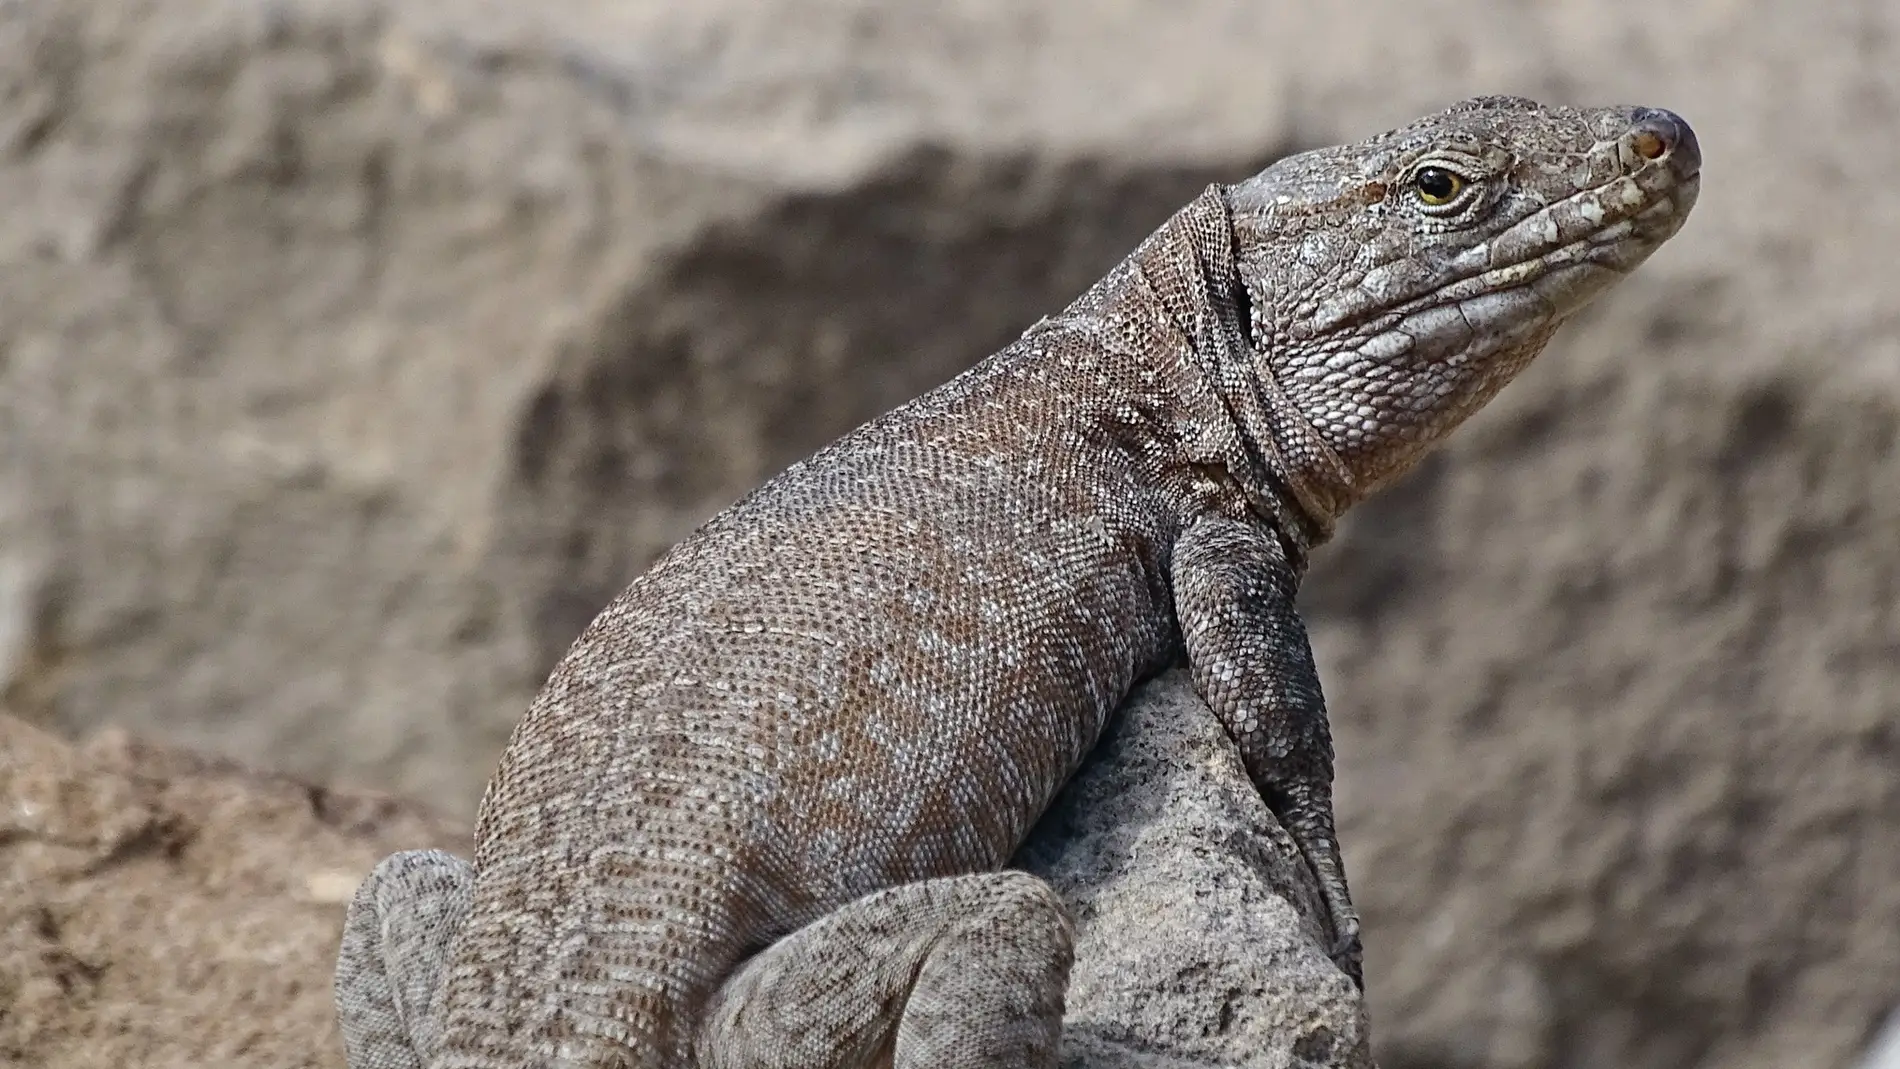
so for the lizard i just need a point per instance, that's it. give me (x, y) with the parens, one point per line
(758, 814)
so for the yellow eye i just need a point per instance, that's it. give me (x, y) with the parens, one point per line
(1436, 186)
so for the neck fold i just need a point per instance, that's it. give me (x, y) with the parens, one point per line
(1237, 415)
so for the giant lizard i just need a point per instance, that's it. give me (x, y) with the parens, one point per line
(757, 815)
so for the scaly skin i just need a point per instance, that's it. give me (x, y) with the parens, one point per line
(820, 724)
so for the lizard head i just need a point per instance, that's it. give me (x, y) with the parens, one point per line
(1395, 285)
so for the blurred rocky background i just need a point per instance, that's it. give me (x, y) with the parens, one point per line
(352, 354)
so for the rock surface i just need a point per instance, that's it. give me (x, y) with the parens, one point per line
(160, 909)
(1200, 934)
(352, 353)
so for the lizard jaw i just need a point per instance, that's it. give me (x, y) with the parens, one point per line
(1476, 317)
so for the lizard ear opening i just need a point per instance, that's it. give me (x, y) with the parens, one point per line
(1243, 311)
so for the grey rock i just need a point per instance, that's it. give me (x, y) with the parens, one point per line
(1200, 937)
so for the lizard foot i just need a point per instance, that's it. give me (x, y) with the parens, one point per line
(1347, 951)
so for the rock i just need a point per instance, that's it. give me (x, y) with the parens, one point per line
(352, 353)
(1200, 933)
(161, 908)
(1885, 1051)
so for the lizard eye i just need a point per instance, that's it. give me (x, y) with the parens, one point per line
(1437, 186)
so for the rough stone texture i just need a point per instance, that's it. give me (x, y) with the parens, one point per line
(349, 356)
(1199, 929)
(1618, 776)
(160, 909)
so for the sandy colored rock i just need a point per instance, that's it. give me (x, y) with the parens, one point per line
(160, 909)
(350, 355)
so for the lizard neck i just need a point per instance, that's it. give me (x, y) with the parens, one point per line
(1235, 416)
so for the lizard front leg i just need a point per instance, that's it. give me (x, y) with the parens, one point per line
(1251, 661)
(395, 950)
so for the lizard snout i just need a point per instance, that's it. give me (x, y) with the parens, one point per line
(1662, 135)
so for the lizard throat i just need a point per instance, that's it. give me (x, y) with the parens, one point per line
(1239, 417)
(1312, 485)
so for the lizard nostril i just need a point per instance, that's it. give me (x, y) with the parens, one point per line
(1663, 135)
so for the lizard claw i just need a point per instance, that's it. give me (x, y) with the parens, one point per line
(1347, 951)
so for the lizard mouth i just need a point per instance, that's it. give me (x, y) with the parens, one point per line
(1614, 247)
(1538, 271)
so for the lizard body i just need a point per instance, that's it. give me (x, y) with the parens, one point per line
(756, 815)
